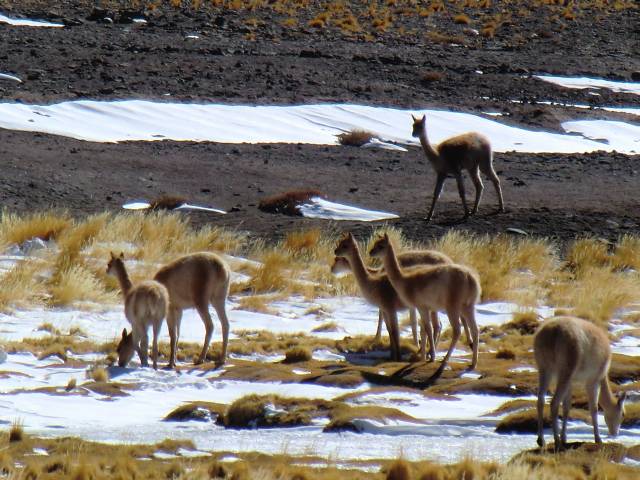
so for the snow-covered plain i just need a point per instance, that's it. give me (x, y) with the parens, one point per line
(458, 422)
(129, 120)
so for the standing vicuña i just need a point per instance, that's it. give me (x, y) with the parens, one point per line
(145, 304)
(195, 281)
(452, 288)
(469, 151)
(407, 259)
(569, 349)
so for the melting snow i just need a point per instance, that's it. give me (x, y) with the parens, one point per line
(312, 124)
(321, 208)
(25, 22)
(586, 82)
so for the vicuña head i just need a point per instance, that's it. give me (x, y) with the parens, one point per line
(345, 245)
(418, 125)
(114, 263)
(126, 348)
(379, 248)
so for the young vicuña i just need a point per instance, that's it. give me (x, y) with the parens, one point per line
(470, 151)
(567, 350)
(452, 288)
(194, 281)
(407, 259)
(145, 304)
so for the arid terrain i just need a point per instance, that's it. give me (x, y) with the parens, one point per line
(267, 56)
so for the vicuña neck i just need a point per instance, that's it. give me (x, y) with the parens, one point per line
(123, 278)
(607, 399)
(357, 265)
(391, 266)
(429, 151)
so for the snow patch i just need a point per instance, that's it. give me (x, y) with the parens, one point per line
(321, 208)
(131, 120)
(586, 82)
(25, 22)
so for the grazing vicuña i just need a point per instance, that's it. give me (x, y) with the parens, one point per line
(567, 350)
(145, 304)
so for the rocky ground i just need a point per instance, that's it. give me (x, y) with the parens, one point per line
(274, 55)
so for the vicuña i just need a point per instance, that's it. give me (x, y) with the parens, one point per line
(145, 304)
(194, 281)
(568, 350)
(469, 151)
(454, 289)
(407, 259)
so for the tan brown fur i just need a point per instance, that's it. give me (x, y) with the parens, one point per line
(407, 259)
(454, 289)
(195, 281)
(145, 304)
(567, 350)
(470, 151)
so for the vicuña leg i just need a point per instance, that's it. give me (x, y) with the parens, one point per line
(460, 182)
(219, 305)
(391, 320)
(543, 386)
(202, 306)
(427, 327)
(414, 325)
(566, 408)
(562, 387)
(379, 329)
(454, 319)
(473, 334)
(477, 182)
(593, 391)
(436, 194)
(491, 174)
(154, 352)
(143, 347)
(173, 323)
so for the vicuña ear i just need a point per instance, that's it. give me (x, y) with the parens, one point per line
(423, 119)
(386, 236)
(414, 118)
(112, 255)
(350, 236)
(121, 255)
(124, 333)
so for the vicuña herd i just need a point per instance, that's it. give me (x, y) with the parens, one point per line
(566, 349)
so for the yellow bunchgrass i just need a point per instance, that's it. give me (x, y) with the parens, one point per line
(597, 293)
(15, 229)
(21, 286)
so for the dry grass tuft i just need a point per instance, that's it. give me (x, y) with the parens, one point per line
(526, 421)
(627, 253)
(167, 202)
(288, 202)
(302, 242)
(597, 293)
(71, 385)
(253, 411)
(16, 229)
(432, 76)
(355, 138)
(399, 470)
(461, 19)
(297, 354)
(273, 274)
(506, 353)
(21, 286)
(16, 432)
(98, 374)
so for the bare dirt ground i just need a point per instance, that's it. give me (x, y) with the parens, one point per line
(269, 57)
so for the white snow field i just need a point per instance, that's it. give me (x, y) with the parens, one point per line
(129, 120)
(25, 22)
(458, 422)
(592, 83)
